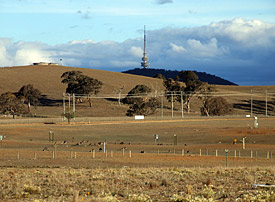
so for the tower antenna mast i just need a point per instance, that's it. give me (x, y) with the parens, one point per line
(144, 59)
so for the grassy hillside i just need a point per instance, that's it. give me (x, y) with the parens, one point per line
(47, 80)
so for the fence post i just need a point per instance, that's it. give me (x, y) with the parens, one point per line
(216, 152)
(175, 140)
(244, 142)
(54, 150)
(256, 154)
(93, 153)
(267, 155)
(158, 151)
(18, 157)
(106, 153)
(251, 154)
(239, 153)
(182, 152)
(235, 153)
(123, 152)
(226, 154)
(71, 154)
(130, 154)
(35, 155)
(75, 155)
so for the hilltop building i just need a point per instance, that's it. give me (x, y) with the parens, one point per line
(45, 63)
(144, 59)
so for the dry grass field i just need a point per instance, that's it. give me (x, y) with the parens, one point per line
(134, 167)
(136, 184)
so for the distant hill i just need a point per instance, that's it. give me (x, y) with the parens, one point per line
(211, 79)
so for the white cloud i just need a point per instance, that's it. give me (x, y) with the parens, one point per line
(136, 51)
(177, 48)
(247, 32)
(209, 49)
(232, 49)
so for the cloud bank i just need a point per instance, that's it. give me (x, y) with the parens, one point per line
(238, 50)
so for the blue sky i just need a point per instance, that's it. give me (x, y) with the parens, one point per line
(215, 36)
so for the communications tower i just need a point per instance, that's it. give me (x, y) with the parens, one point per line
(144, 59)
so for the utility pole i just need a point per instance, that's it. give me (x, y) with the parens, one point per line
(181, 97)
(172, 105)
(69, 101)
(64, 107)
(74, 105)
(266, 103)
(251, 104)
(162, 106)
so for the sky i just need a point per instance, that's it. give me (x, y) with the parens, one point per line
(232, 39)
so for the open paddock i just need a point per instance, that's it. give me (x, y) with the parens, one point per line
(73, 167)
(179, 139)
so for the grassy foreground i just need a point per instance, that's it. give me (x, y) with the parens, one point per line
(136, 184)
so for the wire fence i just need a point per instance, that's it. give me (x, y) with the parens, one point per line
(174, 104)
(75, 154)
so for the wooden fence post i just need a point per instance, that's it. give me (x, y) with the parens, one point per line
(235, 153)
(182, 152)
(216, 152)
(130, 154)
(251, 154)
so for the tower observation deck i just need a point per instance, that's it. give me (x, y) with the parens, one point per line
(144, 59)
